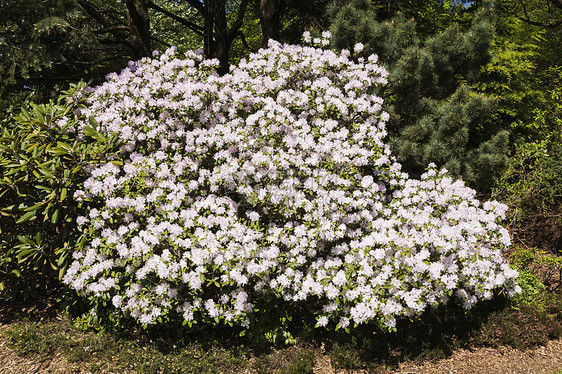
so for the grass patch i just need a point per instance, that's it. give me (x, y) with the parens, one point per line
(532, 320)
(101, 351)
(94, 351)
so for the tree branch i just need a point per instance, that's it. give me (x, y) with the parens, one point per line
(527, 18)
(534, 23)
(244, 41)
(233, 32)
(197, 5)
(111, 29)
(556, 3)
(97, 62)
(160, 41)
(195, 28)
(94, 13)
(123, 42)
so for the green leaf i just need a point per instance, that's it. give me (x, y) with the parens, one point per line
(47, 173)
(16, 272)
(55, 216)
(93, 122)
(24, 254)
(32, 208)
(26, 217)
(62, 272)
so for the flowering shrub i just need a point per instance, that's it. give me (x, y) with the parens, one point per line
(273, 182)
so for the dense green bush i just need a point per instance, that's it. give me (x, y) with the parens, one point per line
(538, 268)
(532, 188)
(42, 164)
(519, 328)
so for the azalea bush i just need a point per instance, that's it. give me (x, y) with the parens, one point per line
(271, 188)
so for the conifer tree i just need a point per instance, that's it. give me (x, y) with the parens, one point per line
(434, 115)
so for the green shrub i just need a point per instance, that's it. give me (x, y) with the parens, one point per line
(41, 166)
(519, 328)
(538, 270)
(532, 187)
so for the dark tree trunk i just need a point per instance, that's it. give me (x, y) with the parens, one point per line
(133, 32)
(270, 12)
(139, 28)
(208, 26)
(217, 36)
(217, 9)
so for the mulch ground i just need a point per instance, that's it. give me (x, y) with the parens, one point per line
(540, 360)
(503, 360)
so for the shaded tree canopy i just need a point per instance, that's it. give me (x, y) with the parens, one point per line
(543, 13)
(47, 44)
(500, 64)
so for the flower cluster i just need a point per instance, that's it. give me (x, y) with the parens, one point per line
(273, 181)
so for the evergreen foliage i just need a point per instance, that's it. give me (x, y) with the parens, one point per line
(525, 76)
(42, 164)
(41, 46)
(435, 115)
(532, 186)
(45, 45)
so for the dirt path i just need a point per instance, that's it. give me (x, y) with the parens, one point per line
(539, 360)
(546, 359)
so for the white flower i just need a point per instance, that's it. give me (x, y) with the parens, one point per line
(367, 181)
(254, 216)
(93, 213)
(344, 322)
(296, 134)
(322, 321)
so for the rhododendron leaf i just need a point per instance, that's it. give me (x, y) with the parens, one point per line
(55, 217)
(63, 193)
(26, 217)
